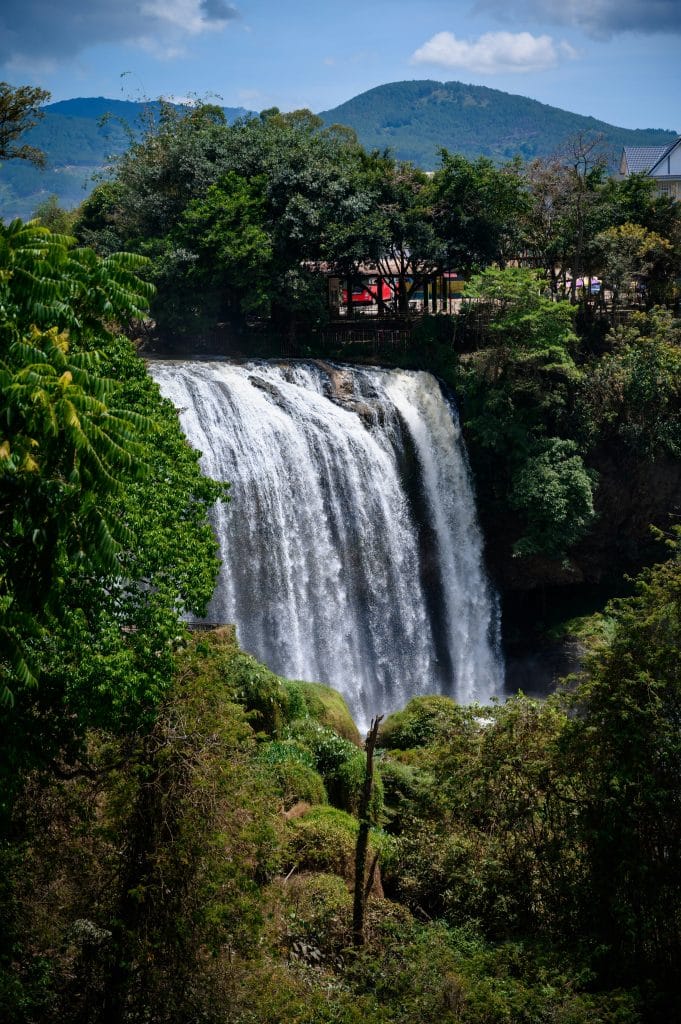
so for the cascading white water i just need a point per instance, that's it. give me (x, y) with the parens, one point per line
(351, 553)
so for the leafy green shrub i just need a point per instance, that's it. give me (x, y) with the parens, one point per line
(272, 992)
(346, 783)
(328, 707)
(292, 768)
(323, 840)
(554, 491)
(632, 395)
(278, 751)
(296, 705)
(269, 701)
(407, 791)
(329, 749)
(424, 721)
(317, 911)
(260, 691)
(340, 764)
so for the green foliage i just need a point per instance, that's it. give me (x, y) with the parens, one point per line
(182, 830)
(292, 767)
(261, 692)
(478, 208)
(546, 839)
(631, 397)
(340, 764)
(423, 722)
(409, 792)
(323, 839)
(65, 448)
(626, 250)
(225, 229)
(491, 840)
(232, 216)
(518, 393)
(317, 911)
(51, 215)
(105, 540)
(554, 492)
(625, 745)
(328, 707)
(19, 111)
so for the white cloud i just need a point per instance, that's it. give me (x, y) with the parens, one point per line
(494, 52)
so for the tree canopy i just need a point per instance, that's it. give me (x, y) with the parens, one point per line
(19, 111)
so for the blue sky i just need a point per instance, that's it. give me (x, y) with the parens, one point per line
(617, 60)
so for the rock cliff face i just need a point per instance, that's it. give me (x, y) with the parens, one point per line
(632, 495)
(538, 594)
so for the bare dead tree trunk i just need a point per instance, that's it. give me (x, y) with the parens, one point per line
(361, 889)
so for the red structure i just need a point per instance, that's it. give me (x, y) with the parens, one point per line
(365, 294)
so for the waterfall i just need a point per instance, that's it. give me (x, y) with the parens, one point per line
(351, 552)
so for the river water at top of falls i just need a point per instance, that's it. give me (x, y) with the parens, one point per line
(350, 547)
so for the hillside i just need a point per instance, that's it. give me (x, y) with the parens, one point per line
(415, 119)
(79, 137)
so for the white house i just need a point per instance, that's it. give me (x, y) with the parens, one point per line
(663, 163)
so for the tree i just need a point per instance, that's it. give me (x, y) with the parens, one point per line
(629, 400)
(566, 208)
(554, 491)
(517, 392)
(362, 883)
(20, 111)
(104, 539)
(226, 250)
(62, 451)
(51, 215)
(629, 251)
(247, 210)
(625, 745)
(477, 210)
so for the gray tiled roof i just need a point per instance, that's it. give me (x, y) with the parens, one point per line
(642, 158)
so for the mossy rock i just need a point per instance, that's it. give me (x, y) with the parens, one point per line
(424, 721)
(291, 766)
(316, 910)
(328, 707)
(296, 782)
(323, 840)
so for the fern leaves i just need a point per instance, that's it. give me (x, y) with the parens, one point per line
(66, 451)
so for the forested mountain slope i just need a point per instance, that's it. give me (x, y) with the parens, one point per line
(416, 118)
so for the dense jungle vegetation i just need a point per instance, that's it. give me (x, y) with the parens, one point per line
(178, 825)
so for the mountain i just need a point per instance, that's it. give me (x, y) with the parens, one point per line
(79, 137)
(415, 119)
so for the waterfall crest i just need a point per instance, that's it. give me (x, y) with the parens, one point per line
(351, 552)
